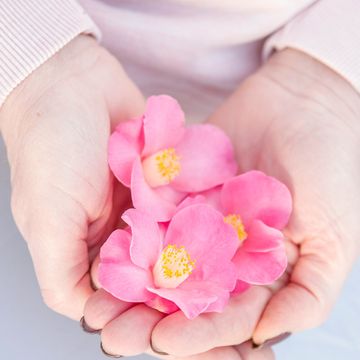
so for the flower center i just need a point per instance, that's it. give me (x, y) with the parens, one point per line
(168, 163)
(162, 167)
(235, 221)
(173, 267)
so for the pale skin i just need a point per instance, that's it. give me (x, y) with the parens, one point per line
(294, 119)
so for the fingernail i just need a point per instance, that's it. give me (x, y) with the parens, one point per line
(272, 341)
(155, 350)
(87, 328)
(109, 355)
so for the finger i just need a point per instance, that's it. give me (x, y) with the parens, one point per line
(247, 352)
(59, 256)
(314, 285)
(239, 352)
(123, 99)
(179, 336)
(129, 334)
(101, 308)
(228, 353)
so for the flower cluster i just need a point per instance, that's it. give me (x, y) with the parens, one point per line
(198, 233)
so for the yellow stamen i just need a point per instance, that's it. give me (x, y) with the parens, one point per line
(235, 221)
(162, 167)
(173, 267)
(168, 164)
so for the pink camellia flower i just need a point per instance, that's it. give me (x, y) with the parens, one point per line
(162, 161)
(257, 207)
(185, 265)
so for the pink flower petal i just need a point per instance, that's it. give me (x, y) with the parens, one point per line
(117, 274)
(254, 195)
(240, 287)
(147, 199)
(262, 238)
(191, 200)
(206, 237)
(260, 268)
(125, 145)
(146, 240)
(116, 247)
(192, 300)
(206, 159)
(225, 276)
(125, 281)
(162, 305)
(220, 303)
(163, 124)
(169, 194)
(213, 198)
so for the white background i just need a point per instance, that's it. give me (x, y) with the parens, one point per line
(28, 330)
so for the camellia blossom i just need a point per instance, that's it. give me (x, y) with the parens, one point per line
(185, 265)
(257, 207)
(162, 161)
(198, 234)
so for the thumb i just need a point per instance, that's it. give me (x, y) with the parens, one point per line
(307, 299)
(123, 98)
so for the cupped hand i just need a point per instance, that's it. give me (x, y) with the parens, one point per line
(56, 126)
(297, 120)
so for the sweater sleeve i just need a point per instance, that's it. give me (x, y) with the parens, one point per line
(31, 31)
(329, 31)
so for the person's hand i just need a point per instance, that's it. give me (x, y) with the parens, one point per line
(56, 126)
(126, 329)
(297, 120)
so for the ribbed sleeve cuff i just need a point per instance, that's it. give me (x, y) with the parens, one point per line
(329, 31)
(31, 31)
